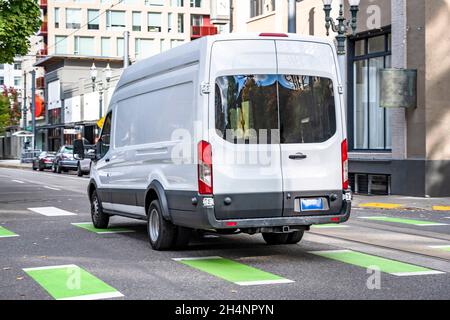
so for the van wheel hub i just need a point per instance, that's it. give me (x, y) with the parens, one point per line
(154, 225)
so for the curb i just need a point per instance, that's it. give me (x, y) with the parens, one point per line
(15, 167)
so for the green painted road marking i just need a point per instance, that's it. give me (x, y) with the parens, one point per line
(71, 282)
(90, 227)
(232, 271)
(5, 233)
(421, 223)
(445, 248)
(328, 226)
(393, 267)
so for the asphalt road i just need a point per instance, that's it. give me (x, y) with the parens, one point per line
(126, 262)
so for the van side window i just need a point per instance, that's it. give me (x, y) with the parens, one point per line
(264, 109)
(106, 136)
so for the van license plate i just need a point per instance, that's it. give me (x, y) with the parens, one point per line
(312, 204)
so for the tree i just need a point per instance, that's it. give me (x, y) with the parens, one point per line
(19, 19)
(9, 108)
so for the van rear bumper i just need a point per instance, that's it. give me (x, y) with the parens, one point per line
(341, 217)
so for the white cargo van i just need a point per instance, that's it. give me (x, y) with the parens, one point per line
(232, 133)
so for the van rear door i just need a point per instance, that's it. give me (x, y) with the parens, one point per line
(311, 128)
(243, 116)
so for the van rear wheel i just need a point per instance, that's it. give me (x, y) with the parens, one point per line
(295, 237)
(161, 233)
(275, 238)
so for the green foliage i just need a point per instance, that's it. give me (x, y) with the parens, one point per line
(9, 109)
(19, 19)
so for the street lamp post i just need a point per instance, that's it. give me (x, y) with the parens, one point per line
(341, 27)
(107, 72)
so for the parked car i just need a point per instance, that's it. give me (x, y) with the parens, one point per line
(84, 165)
(43, 161)
(64, 160)
(177, 122)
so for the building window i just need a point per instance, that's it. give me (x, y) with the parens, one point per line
(115, 20)
(154, 22)
(371, 123)
(2, 66)
(181, 23)
(73, 18)
(144, 48)
(177, 3)
(56, 18)
(137, 21)
(93, 19)
(196, 3)
(60, 44)
(260, 7)
(196, 20)
(17, 66)
(84, 46)
(119, 47)
(106, 47)
(2, 81)
(170, 22)
(17, 81)
(154, 2)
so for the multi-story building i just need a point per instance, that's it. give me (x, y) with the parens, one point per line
(79, 33)
(96, 27)
(11, 74)
(398, 150)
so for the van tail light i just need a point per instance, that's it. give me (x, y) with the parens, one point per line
(344, 157)
(205, 172)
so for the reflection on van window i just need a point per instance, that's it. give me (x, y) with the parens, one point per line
(247, 109)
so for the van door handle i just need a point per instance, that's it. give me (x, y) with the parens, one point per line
(298, 156)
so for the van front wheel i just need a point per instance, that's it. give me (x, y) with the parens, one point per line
(275, 238)
(100, 220)
(161, 233)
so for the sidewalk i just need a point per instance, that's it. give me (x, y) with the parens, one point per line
(14, 164)
(401, 203)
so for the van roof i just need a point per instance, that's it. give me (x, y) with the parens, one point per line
(191, 52)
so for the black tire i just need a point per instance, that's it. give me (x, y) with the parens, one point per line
(275, 238)
(34, 168)
(182, 238)
(41, 168)
(295, 237)
(79, 171)
(161, 233)
(100, 219)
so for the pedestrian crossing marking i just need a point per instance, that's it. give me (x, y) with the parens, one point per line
(233, 271)
(52, 212)
(70, 282)
(385, 265)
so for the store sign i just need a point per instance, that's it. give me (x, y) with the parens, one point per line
(220, 12)
(72, 131)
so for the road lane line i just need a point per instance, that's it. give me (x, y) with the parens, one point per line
(376, 205)
(364, 260)
(52, 212)
(445, 247)
(441, 208)
(18, 181)
(420, 223)
(233, 271)
(90, 227)
(52, 188)
(70, 282)
(5, 233)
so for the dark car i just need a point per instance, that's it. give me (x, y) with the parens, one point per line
(64, 160)
(44, 161)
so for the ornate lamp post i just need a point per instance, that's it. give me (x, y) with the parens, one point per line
(342, 26)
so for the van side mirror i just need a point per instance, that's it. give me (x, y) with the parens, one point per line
(78, 149)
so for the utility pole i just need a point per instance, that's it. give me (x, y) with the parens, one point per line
(24, 101)
(33, 107)
(292, 16)
(126, 49)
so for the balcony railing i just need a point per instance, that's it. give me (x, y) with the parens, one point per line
(44, 28)
(202, 31)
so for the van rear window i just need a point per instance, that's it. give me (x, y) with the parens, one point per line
(264, 109)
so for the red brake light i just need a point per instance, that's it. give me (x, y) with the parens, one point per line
(270, 34)
(344, 155)
(205, 173)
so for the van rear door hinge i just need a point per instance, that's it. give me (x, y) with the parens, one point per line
(341, 89)
(205, 88)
